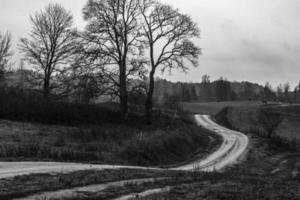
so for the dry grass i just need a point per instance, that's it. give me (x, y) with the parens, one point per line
(277, 122)
(31, 184)
(109, 143)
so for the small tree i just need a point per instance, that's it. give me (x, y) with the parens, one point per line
(5, 53)
(168, 35)
(50, 45)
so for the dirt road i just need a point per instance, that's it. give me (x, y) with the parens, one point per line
(233, 148)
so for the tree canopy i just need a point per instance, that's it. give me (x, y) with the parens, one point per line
(50, 45)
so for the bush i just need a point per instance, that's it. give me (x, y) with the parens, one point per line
(30, 106)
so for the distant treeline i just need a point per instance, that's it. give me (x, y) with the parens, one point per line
(168, 93)
(223, 90)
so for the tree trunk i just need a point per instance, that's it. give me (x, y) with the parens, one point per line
(149, 100)
(46, 91)
(123, 93)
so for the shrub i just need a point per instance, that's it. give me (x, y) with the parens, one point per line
(30, 106)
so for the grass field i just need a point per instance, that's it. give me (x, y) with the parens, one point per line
(212, 108)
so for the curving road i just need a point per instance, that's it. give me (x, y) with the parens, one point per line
(233, 148)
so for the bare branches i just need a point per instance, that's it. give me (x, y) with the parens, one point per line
(5, 52)
(170, 30)
(113, 34)
(168, 35)
(113, 28)
(51, 43)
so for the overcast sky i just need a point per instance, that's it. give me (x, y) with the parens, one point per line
(253, 40)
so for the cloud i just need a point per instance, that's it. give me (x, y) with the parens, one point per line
(253, 40)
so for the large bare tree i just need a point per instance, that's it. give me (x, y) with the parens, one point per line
(50, 45)
(5, 52)
(112, 39)
(169, 37)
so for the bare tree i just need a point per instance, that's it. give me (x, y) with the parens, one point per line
(168, 35)
(86, 81)
(5, 53)
(112, 40)
(50, 45)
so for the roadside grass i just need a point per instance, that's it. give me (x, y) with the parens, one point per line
(280, 123)
(22, 186)
(132, 189)
(110, 143)
(243, 189)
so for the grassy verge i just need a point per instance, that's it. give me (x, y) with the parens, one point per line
(279, 123)
(242, 189)
(117, 192)
(110, 143)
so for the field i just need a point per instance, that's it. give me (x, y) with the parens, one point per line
(212, 108)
